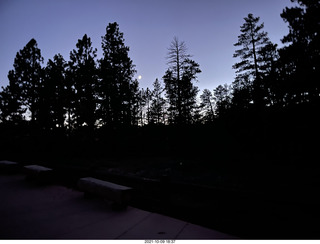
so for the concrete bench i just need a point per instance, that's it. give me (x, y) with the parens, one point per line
(8, 166)
(119, 194)
(38, 173)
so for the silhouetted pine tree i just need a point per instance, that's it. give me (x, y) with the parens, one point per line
(249, 69)
(141, 106)
(70, 98)
(83, 76)
(180, 91)
(157, 104)
(25, 80)
(207, 105)
(268, 58)
(53, 94)
(134, 101)
(301, 59)
(148, 97)
(116, 79)
(223, 98)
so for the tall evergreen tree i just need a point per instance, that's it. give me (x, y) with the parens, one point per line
(268, 59)
(25, 79)
(116, 78)
(301, 58)
(157, 103)
(223, 97)
(70, 101)
(84, 79)
(207, 105)
(180, 91)
(252, 39)
(141, 106)
(148, 94)
(134, 102)
(53, 93)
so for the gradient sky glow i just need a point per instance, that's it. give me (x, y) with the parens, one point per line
(208, 27)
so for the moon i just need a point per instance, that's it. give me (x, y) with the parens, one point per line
(139, 77)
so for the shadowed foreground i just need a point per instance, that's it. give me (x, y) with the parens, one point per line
(31, 211)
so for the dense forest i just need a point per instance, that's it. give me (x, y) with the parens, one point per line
(89, 107)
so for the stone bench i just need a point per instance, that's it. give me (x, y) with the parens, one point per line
(9, 166)
(119, 194)
(38, 173)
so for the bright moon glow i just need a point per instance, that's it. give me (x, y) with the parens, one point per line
(139, 77)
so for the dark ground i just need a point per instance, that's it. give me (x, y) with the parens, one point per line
(274, 207)
(248, 176)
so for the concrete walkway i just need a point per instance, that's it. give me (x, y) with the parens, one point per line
(31, 211)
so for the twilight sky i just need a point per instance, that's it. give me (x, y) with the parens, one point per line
(208, 27)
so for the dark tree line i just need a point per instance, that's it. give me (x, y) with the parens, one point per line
(83, 92)
(86, 93)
